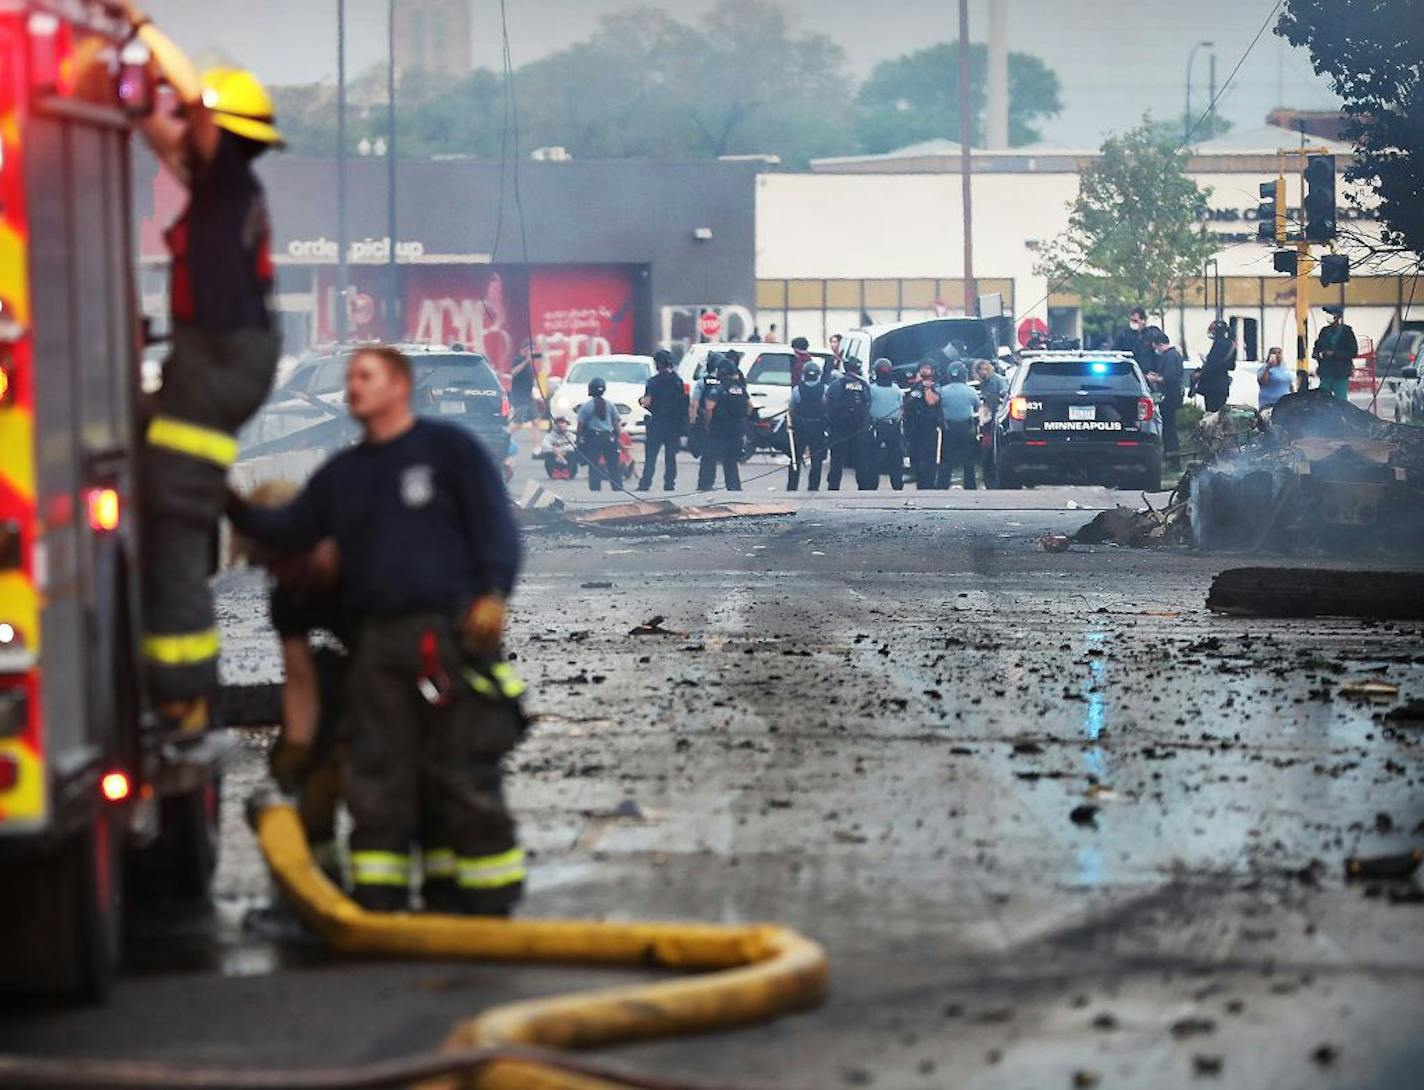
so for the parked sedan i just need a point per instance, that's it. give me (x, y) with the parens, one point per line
(307, 413)
(1397, 366)
(626, 376)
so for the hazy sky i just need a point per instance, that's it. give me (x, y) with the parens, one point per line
(1115, 58)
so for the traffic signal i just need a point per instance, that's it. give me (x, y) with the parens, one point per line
(1319, 200)
(1271, 214)
(1334, 269)
(1287, 261)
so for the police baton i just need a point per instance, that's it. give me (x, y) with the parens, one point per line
(792, 452)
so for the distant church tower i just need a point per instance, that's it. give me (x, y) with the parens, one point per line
(434, 35)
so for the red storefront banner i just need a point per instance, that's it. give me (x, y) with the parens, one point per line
(584, 310)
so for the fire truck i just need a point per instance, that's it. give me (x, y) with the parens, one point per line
(93, 800)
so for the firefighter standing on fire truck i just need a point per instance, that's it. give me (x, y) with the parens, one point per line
(224, 358)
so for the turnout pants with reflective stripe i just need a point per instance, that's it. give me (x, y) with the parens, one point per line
(212, 383)
(428, 774)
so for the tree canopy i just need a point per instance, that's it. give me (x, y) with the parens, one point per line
(1136, 230)
(742, 79)
(1373, 53)
(916, 97)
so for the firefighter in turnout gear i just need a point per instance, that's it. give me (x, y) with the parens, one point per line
(806, 418)
(848, 415)
(224, 358)
(924, 426)
(725, 408)
(887, 410)
(431, 706)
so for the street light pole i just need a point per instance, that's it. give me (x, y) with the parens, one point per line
(1211, 96)
(394, 332)
(1187, 111)
(343, 276)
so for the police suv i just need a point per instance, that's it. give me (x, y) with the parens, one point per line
(1077, 417)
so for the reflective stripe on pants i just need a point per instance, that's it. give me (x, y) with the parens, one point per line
(439, 863)
(501, 681)
(194, 440)
(380, 869)
(185, 649)
(492, 871)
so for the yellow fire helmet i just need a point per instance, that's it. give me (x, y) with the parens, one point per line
(241, 105)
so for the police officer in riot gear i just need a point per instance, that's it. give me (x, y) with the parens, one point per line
(598, 437)
(666, 401)
(807, 416)
(848, 416)
(924, 426)
(886, 413)
(704, 393)
(726, 407)
(959, 405)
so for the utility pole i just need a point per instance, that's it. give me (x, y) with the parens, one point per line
(394, 331)
(966, 130)
(996, 118)
(343, 274)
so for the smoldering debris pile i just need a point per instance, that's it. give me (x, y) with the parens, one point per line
(1314, 472)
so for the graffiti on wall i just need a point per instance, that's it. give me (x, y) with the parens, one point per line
(682, 325)
(568, 313)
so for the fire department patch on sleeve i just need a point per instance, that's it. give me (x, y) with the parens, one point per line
(417, 486)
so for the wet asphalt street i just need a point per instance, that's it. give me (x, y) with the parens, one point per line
(872, 722)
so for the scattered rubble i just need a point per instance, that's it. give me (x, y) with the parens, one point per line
(1401, 865)
(1206, 1066)
(1370, 690)
(1324, 1055)
(1410, 713)
(1192, 1027)
(653, 626)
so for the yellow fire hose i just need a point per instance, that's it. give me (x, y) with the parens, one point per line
(746, 974)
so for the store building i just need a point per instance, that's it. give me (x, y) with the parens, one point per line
(879, 238)
(579, 257)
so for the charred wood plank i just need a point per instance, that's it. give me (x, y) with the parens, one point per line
(1304, 592)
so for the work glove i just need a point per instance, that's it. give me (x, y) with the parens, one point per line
(482, 627)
